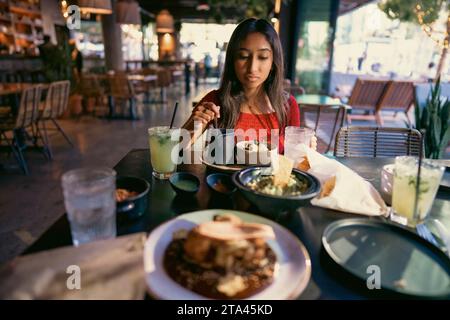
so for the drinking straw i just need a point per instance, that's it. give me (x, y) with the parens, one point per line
(416, 200)
(173, 115)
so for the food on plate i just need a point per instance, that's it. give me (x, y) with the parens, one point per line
(255, 146)
(265, 184)
(222, 259)
(328, 187)
(253, 152)
(304, 165)
(124, 194)
(221, 187)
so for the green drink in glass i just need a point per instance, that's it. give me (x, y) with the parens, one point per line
(404, 189)
(164, 149)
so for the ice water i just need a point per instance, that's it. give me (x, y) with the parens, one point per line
(294, 151)
(91, 218)
(404, 188)
(295, 138)
(89, 198)
(163, 145)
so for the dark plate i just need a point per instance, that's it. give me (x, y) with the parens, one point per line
(445, 182)
(408, 264)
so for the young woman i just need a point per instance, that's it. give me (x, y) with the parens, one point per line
(251, 96)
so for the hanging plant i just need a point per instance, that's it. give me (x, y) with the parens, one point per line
(243, 8)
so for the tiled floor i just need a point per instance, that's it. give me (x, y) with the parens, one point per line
(30, 204)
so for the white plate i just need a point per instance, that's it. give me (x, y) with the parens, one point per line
(223, 167)
(294, 264)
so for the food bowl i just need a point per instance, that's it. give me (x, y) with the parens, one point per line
(220, 183)
(272, 205)
(253, 153)
(135, 205)
(184, 183)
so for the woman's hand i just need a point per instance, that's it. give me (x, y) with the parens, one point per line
(206, 112)
(313, 144)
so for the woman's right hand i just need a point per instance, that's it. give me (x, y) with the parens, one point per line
(206, 112)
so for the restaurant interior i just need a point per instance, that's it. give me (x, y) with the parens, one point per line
(352, 202)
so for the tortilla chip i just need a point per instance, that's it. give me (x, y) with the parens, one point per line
(283, 171)
(328, 187)
(304, 165)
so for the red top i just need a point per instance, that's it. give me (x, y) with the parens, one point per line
(257, 122)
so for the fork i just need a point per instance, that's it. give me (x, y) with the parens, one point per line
(425, 233)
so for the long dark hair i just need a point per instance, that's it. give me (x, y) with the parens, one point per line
(231, 92)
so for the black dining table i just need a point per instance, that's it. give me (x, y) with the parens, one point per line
(328, 281)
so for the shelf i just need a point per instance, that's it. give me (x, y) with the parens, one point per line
(24, 11)
(2, 18)
(8, 34)
(22, 36)
(28, 23)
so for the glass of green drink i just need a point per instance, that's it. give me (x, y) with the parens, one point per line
(164, 150)
(404, 189)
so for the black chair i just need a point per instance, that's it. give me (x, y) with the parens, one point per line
(325, 120)
(376, 142)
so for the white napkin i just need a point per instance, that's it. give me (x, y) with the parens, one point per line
(351, 192)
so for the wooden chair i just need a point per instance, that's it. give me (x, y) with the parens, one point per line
(121, 90)
(377, 142)
(296, 90)
(146, 87)
(365, 97)
(56, 103)
(327, 120)
(398, 96)
(163, 82)
(91, 88)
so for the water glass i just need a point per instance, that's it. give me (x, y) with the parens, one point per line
(89, 198)
(294, 137)
(164, 150)
(404, 189)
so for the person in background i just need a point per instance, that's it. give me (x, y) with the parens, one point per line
(208, 65)
(251, 93)
(50, 56)
(77, 60)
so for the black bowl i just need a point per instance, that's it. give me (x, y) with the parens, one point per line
(184, 183)
(221, 183)
(133, 207)
(270, 205)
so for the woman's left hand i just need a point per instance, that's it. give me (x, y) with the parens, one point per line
(313, 144)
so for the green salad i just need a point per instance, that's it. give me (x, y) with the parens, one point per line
(264, 184)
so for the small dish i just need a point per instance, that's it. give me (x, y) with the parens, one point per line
(221, 183)
(184, 183)
(133, 206)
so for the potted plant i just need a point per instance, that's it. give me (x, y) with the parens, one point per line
(433, 121)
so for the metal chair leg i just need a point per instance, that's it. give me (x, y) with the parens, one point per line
(62, 132)
(18, 151)
(45, 140)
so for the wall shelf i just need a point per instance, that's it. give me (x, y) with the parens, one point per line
(23, 20)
